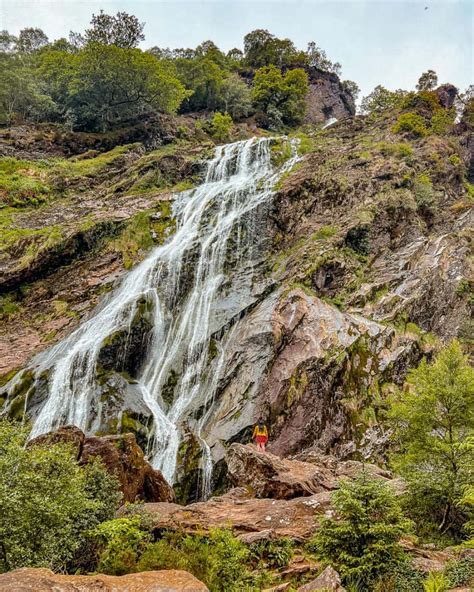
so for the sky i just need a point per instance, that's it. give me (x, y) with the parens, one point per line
(388, 42)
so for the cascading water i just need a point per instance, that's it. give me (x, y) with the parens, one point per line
(211, 221)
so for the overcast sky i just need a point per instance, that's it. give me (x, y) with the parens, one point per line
(377, 41)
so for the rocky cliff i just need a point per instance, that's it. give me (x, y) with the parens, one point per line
(364, 265)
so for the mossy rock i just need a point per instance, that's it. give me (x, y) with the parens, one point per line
(125, 351)
(189, 476)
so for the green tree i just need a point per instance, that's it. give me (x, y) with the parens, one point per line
(7, 42)
(362, 541)
(203, 79)
(104, 85)
(351, 87)
(382, 99)
(31, 40)
(427, 81)
(235, 97)
(433, 418)
(280, 96)
(221, 126)
(47, 502)
(123, 30)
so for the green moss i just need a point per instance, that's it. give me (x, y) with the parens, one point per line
(324, 233)
(75, 168)
(297, 386)
(280, 151)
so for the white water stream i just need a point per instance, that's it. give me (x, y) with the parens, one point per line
(210, 220)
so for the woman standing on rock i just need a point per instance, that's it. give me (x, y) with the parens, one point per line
(260, 435)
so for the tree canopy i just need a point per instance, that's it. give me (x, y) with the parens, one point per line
(99, 79)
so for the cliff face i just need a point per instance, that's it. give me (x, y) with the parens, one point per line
(365, 264)
(327, 98)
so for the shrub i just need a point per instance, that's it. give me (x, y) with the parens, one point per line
(273, 554)
(47, 502)
(412, 124)
(425, 196)
(221, 126)
(460, 573)
(122, 541)
(362, 541)
(217, 558)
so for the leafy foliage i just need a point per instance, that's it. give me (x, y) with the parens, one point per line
(427, 81)
(281, 97)
(123, 540)
(47, 502)
(221, 126)
(435, 449)
(216, 558)
(381, 100)
(362, 541)
(411, 124)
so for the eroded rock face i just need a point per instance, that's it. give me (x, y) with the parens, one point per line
(44, 580)
(327, 98)
(296, 518)
(121, 456)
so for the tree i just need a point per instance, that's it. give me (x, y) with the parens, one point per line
(7, 42)
(381, 100)
(280, 96)
(362, 540)
(433, 418)
(123, 30)
(47, 501)
(351, 87)
(103, 85)
(317, 58)
(234, 97)
(31, 40)
(221, 126)
(203, 78)
(427, 81)
(261, 48)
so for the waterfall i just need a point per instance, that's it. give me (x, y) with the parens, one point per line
(213, 220)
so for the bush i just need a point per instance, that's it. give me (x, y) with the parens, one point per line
(216, 558)
(425, 196)
(47, 502)
(412, 124)
(460, 573)
(221, 126)
(122, 541)
(362, 541)
(273, 554)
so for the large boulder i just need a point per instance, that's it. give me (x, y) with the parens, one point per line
(121, 456)
(296, 518)
(267, 475)
(329, 581)
(44, 580)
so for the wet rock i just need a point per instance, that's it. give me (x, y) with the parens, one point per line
(44, 580)
(126, 350)
(328, 581)
(296, 518)
(267, 475)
